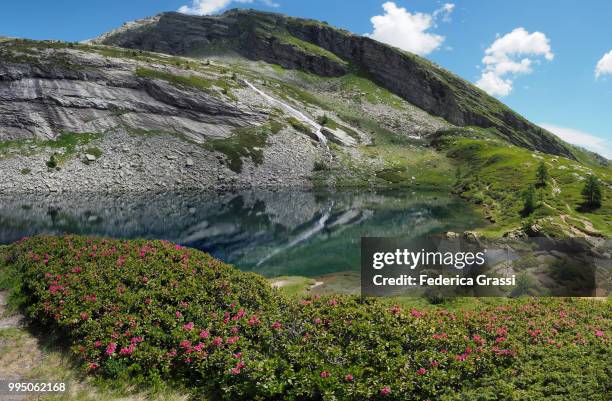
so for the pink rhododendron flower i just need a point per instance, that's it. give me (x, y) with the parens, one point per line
(434, 363)
(385, 390)
(185, 344)
(98, 344)
(217, 341)
(235, 371)
(188, 326)
(127, 350)
(110, 349)
(93, 366)
(332, 302)
(84, 315)
(396, 310)
(178, 314)
(416, 313)
(325, 374)
(421, 371)
(599, 333)
(204, 334)
(349, 378)
(276, 325)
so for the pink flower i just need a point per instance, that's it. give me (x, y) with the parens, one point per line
(199, 347)
(349, 378)
(240, 364)
(500, 340)
(434, 363)
(416, 313)
(421, 371)
(599, 333)
(317, 320)
(204, 334)
(98, 344)
(93, 366)
(145, 279)
(385, 390)
(136, 340)
(127, 351)
(396, 310)
(276, 325)
(178, 314)
(233, 340)
(185, 344)
(253, 321)
(188, 326)
(178, 247)
(84, 315)
(217, 341)
(332, 302)
(235, 371)
(148, 301)
(325, 374)
(110, 349)
(502, 331)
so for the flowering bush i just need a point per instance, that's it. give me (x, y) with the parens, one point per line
(152, 309)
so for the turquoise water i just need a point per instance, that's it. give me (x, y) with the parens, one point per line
(285, 232)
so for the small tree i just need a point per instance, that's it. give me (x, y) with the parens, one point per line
(52, 163)
(592, 192)
(529, 200)
(542, 175)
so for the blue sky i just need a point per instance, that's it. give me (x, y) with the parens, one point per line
(546, 71)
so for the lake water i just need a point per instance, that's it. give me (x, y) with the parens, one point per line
(285, 232)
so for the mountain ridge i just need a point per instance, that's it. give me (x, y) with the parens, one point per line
(306, 45)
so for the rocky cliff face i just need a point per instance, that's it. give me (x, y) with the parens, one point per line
(324, 50)
(49, 89)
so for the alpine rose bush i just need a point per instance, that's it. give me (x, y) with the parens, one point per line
(152, 309)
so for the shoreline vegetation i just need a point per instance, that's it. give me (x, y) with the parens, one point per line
(134, 319)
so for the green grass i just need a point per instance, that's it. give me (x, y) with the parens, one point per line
(68, 142)
(360, 86)
(190, 81)
(243, 143)
(307, 47)
(494, 174)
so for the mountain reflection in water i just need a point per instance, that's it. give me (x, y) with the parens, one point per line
(283, 232)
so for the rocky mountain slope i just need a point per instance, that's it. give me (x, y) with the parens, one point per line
(327, 51)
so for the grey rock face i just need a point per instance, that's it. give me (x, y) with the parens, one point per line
(42, 98)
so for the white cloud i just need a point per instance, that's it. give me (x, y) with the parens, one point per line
(400, 28)
(444, 11)
(580, 138)
(493, 84)
(604, 65)
(509, 56)
(205, 7)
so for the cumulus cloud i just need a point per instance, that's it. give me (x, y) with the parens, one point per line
(604, 65)
(409, 31)
(205, 7)
(511, 55)
(581, 138)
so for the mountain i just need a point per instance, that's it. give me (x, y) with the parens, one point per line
(251, 99)
(321, 49)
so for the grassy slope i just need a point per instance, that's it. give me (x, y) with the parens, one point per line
(494, 174)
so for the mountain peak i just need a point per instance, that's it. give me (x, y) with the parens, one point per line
(319, 48)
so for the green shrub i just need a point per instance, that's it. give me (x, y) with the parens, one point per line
(153, 310)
